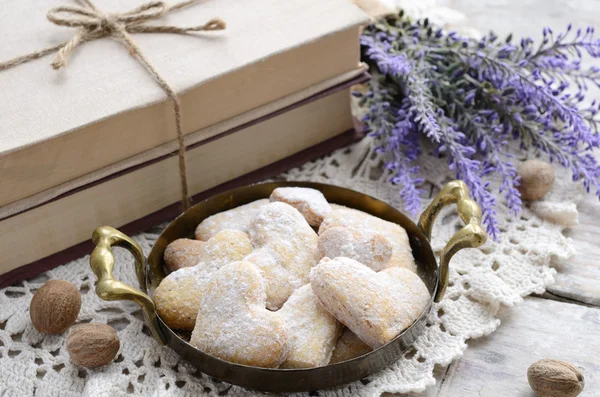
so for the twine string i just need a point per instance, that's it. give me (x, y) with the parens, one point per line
(93, 24)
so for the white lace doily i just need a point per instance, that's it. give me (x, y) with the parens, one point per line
(500, 273)
(481, 280)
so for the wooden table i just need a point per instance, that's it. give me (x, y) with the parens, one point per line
(564, 323)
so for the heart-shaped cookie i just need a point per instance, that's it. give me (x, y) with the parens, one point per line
(351, 218)
(348, 347)
(310, 202)
(370, 249)
(312, 331)
(285, 250)
(375, 306)
(177, 298)
(233, 323)
(237, 218)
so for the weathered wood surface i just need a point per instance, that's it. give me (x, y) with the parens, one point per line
(579, 278)
(540, 328)
(496, 366)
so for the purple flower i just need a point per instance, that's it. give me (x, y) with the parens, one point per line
(395, 124)
(421, 106)
(387, 61)
(470, 98)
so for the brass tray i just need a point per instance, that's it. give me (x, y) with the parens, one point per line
(151, 271)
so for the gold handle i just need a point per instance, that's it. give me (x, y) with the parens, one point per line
(102, 262)
(472, 235)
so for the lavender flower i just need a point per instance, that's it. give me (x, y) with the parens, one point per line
(388, 62)
(394, 124)
(470, 98)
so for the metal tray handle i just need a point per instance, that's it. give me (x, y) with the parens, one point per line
(108, 288)
(472, 235)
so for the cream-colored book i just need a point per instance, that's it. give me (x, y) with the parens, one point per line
(102, 108)
(131, 194)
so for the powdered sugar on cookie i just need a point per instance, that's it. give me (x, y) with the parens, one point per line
(375, 306)
(234, 219)
(233, 323)
(177, 298)
(370, 249)
(285, 250)
(312, 331)
(211, 254)
(310, 202)
(396, 235)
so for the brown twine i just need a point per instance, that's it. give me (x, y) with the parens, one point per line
(93, 24)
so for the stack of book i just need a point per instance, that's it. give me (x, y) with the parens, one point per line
(95, 143)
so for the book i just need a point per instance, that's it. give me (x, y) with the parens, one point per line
(103, 108)
(376, 8)
(191, 139)
(297, 132)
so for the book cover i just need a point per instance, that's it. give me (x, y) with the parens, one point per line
(147, 193)
(104, 107)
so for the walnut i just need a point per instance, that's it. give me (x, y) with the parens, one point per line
(55, 306)
(537, 178)
(93, 344)
(553, 378)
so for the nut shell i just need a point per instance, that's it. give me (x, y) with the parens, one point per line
(55, 306)
(537, 178)
(553, 378)
(93, 344)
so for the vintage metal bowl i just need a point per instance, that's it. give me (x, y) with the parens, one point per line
(151, 271)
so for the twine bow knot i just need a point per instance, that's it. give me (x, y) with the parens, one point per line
(92, 19)
(93, 24)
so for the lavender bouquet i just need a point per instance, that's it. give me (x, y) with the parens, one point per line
(470, 98)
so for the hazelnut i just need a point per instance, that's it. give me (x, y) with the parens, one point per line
(537, 178)
(553, 378)
(55, 306)
(93, 344)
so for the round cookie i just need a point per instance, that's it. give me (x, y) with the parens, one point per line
(177, 297)
(236, 219)
(347, 217)
(312, 331)
(183, 252)
(370, 249)
(375, 306)
(310, 202)
(285, 250)
(233, 323)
